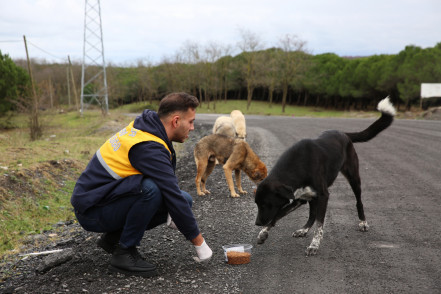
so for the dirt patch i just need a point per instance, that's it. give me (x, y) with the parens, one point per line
(432, 114)
(33, 181)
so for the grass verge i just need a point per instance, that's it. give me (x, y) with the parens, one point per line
(37, 177)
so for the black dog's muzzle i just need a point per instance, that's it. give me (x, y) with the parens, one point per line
(287, 209)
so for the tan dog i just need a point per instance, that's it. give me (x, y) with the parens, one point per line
(239, 124)
(224, 126)
(235, 154)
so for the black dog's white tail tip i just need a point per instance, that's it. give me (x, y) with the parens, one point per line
(385, 106)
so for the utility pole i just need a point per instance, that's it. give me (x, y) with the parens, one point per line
(34, 124)
(50, 93)
(29, 67)
(74, 86)
(68, 85)
(93, 77)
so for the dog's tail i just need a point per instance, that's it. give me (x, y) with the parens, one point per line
(387, 116)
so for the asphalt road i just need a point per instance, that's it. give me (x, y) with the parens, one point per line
(401, 189)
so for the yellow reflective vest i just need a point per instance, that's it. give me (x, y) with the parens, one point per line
(114, 153)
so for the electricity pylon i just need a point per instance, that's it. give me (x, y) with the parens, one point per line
(93, 77)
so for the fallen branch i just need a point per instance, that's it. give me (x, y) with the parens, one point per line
(41, 253)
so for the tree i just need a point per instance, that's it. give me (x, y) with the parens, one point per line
(213, 52)
(193, 56)
(249, 44)
(224, 69)
(271, 72)
(416, 66)
(148, 83)
(289, 63)
(14, 82)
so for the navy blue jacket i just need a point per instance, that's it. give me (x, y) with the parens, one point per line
(96, 187)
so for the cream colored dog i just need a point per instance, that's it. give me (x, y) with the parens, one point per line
(235, 155)
(224, 126)
(239, 124)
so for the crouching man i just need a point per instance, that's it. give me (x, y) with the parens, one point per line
(130, 186)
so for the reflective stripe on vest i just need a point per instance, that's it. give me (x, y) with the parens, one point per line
(114, 153)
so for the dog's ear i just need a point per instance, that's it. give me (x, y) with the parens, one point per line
(285, 191)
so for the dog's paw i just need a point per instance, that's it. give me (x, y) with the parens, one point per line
(235, 195)
(363, 226)
(260, 242)
(263, 235)
(311, 250)
(203, 193)
(243, 192)
(300, 233)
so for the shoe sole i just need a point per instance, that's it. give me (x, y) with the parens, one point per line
(145, 274)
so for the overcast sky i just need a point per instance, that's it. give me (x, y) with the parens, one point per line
(148, 30)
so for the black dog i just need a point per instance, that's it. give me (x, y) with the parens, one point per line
(305, 171)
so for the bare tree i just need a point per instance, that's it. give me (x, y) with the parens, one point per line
(249, 44)
(289, 63)
(32, 106)
(271, 72)
(213, 51)
(224, 67)
(175, 73)
(148, 85)
(192, 55)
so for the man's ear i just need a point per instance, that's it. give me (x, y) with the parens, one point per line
(175, 120)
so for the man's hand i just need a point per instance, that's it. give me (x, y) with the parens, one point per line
(203, 251)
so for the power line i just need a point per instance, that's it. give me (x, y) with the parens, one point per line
(36, 46)
(45, 51)
(11, 41)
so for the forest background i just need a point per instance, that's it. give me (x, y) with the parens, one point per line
(286, 74)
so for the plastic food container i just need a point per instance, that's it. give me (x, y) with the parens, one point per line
(237, 253)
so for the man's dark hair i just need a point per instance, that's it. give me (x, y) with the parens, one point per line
(176, 102)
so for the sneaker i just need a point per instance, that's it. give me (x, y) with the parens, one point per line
(129, 262)
(109, 241)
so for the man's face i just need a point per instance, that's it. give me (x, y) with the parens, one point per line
(184, 124)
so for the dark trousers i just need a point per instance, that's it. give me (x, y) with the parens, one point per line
(131, 214)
